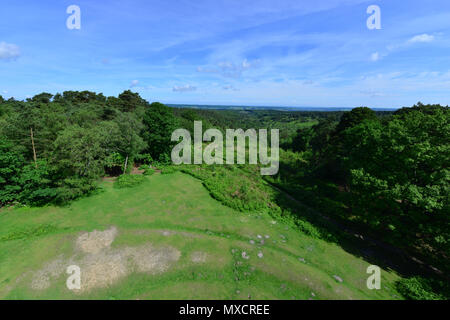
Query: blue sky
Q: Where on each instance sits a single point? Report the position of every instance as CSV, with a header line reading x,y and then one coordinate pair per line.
x,y
275,53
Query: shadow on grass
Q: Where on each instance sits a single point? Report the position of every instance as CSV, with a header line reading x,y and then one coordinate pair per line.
x,y
352,237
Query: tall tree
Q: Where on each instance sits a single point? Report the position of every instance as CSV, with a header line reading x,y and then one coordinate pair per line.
x,y
159,122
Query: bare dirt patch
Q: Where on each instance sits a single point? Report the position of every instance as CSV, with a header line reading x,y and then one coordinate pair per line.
x,y
136,170
101,265
150,259
42,278
93,242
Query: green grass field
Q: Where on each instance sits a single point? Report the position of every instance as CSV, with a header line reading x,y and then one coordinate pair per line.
x,y
169,239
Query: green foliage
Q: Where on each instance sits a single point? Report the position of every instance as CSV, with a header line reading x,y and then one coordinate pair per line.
x,y
235,188
128,181
145,158
399,173
417,288
11,164
168,169
243,188
355,117
74,187
387,175
37,185
315,138
148,171
159,122
77,137
79,151
309,229
114,160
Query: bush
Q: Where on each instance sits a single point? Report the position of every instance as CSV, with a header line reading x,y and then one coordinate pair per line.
x,y
417,288
128,181
309,229
148,171
240,189
73,188
37,185
168,170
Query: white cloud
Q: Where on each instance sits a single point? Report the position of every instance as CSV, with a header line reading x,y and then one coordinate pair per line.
x,y
372,93
375,56
207,70
134,83
230,69
245,64
422,38
9,51
185,88
229,87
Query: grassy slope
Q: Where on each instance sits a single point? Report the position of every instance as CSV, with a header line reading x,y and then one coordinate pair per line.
x,y
31,237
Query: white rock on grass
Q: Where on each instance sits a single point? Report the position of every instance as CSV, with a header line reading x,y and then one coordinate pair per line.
x,y
260,255
245,256
337,278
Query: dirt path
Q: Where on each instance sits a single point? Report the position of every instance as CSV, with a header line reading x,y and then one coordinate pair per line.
x,y
136,170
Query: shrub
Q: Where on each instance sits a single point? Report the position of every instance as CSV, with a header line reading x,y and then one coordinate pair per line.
x,y
417,288
149,172
128,181
168,170
73,188
240,189
37,185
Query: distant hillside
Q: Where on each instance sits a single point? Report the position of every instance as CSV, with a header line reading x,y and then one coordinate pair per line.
x,y
281,108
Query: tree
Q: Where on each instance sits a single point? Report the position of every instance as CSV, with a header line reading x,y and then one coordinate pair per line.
x,y
399,172
129,142
42,98
79,151
159,123
130,101
355,117
11,164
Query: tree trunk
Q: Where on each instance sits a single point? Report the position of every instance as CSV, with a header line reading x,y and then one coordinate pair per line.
x,y
34,150
126,164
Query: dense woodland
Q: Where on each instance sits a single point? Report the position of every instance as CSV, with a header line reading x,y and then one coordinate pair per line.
x,y
383,172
